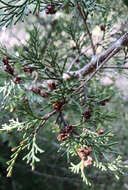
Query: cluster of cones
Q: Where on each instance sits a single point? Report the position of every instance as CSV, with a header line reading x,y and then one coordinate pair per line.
x,y
64,134
8,67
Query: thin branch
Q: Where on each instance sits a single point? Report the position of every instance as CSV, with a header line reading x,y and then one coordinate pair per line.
x,y
76,58
47,116
44,119
70,180
53,177
100,58
115,67
62,119
73,62
98,68
87,28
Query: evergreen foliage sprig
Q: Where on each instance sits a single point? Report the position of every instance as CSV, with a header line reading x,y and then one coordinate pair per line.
x,y
38,91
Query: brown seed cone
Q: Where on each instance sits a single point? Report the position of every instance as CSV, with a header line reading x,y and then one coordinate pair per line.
x,y
51,9
17,80
100,132
89,150
10,70
5,61
37,90
87,114
69,129
27,70
103,27
58,106
44,94
88,162
104,102
63,136
52,86
83,153
25,99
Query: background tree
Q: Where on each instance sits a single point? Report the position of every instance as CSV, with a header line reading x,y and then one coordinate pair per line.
x,y
53,90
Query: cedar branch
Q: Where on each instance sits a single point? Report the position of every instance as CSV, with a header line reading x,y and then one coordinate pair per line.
x,y
100,58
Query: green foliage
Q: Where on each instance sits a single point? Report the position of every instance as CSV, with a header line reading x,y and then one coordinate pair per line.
x,y
125,2
31,157
41,97
16,10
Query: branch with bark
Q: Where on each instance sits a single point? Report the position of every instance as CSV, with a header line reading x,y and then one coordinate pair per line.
x,y
100,59
87,28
